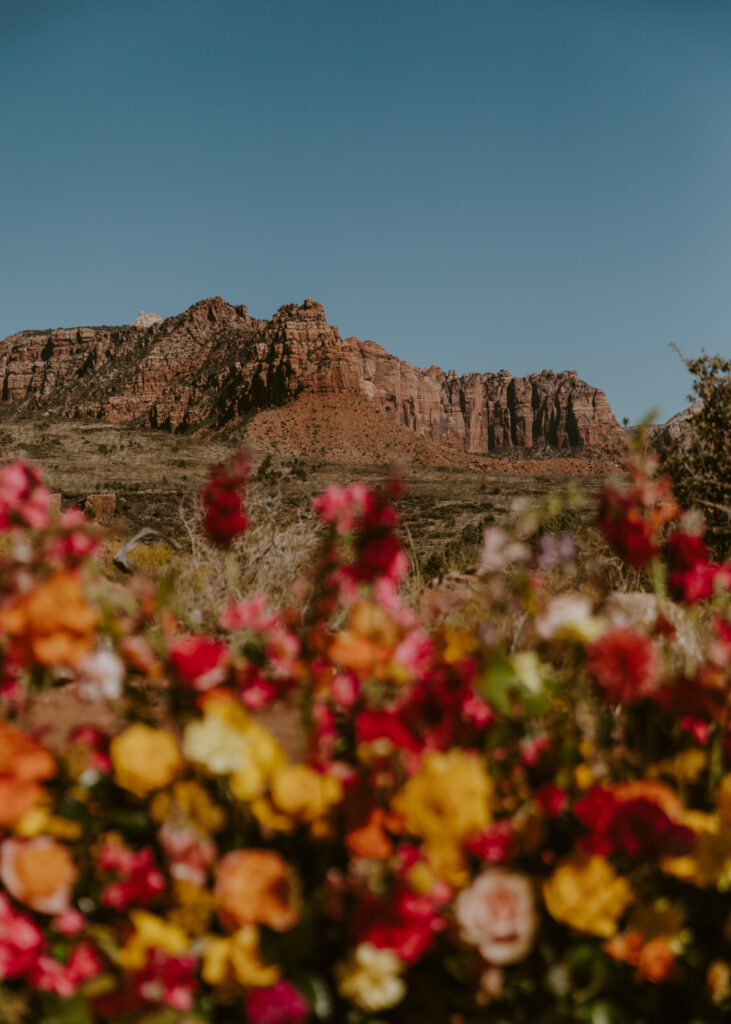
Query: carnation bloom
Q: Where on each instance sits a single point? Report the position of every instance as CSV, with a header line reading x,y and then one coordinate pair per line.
x,y
585,893
497,914
39,873
145,759
371,978
53,624
624,663
24,764
256,887
280,1003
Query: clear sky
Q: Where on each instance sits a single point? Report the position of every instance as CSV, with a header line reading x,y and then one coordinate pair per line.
x,y
481,184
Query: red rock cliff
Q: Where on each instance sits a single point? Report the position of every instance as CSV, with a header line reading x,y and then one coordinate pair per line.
x,y
214,363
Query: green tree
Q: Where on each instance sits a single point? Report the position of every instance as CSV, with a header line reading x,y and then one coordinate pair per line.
x,y
700,464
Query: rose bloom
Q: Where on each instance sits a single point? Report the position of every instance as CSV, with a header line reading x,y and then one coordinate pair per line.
x,y
657,960
497,914
145,759
38,873
256,887
624,663
24,764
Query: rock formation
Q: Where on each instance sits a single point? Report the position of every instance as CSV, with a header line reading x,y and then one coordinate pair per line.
x,y
146,319
214,364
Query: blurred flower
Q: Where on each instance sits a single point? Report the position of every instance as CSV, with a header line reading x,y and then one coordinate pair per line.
x,y
53,624
499,551
99,676
256,887
151,933
371,978
280,1003
200,661
497,914
585,893
238,958
223,507
38,872
298,795
24,765
553,551
145,759
625,664
568,617
227,741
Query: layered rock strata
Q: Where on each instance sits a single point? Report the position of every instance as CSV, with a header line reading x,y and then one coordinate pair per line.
x,y
214,364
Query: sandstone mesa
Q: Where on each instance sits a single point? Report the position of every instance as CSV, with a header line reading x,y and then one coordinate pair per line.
x,y
214,364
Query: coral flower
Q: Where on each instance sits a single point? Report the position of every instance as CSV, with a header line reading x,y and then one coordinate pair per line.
x,y
256,887
39,873
24,764
624,662
52,625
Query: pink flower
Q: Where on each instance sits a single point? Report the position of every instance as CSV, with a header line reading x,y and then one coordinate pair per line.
x,y
189,853
497,914
252,613
100,676
281,1003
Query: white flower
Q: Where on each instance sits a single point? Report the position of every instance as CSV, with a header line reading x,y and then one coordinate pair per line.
x,y
497,914
499,550
100,676
569,617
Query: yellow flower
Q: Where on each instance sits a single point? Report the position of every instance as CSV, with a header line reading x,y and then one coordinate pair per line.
x,y
192,801
145,759
448,799
299,795
238,959
370,978
710,863
227,742
151,932
586,893
39,821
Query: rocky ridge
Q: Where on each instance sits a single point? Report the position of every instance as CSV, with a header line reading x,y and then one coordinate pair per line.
x,y
214,364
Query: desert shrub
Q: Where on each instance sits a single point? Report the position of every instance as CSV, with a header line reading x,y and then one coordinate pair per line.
x,y
700,467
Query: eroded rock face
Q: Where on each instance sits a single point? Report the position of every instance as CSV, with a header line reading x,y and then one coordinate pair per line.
x,y
214,363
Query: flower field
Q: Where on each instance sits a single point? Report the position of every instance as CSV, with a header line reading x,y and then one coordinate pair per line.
x,y
513,808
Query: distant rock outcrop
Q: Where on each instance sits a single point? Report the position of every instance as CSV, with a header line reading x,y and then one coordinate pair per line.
x,y
147,320
214,363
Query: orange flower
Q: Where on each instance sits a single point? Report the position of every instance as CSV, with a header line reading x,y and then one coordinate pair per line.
x,y
657,960
370,840
39,873
52,625
256,887
24,763
625,947
366,647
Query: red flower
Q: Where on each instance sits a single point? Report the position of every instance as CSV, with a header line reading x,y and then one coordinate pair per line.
x,y
551,799
281,1003
224,517
200,661
624,664
639,828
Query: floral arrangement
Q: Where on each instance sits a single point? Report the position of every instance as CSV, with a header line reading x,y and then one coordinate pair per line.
x,y
467,823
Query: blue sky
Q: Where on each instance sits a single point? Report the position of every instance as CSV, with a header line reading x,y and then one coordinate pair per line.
x,y
474,183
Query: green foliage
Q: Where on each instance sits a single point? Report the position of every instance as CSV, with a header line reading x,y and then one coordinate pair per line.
x,y
701,472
